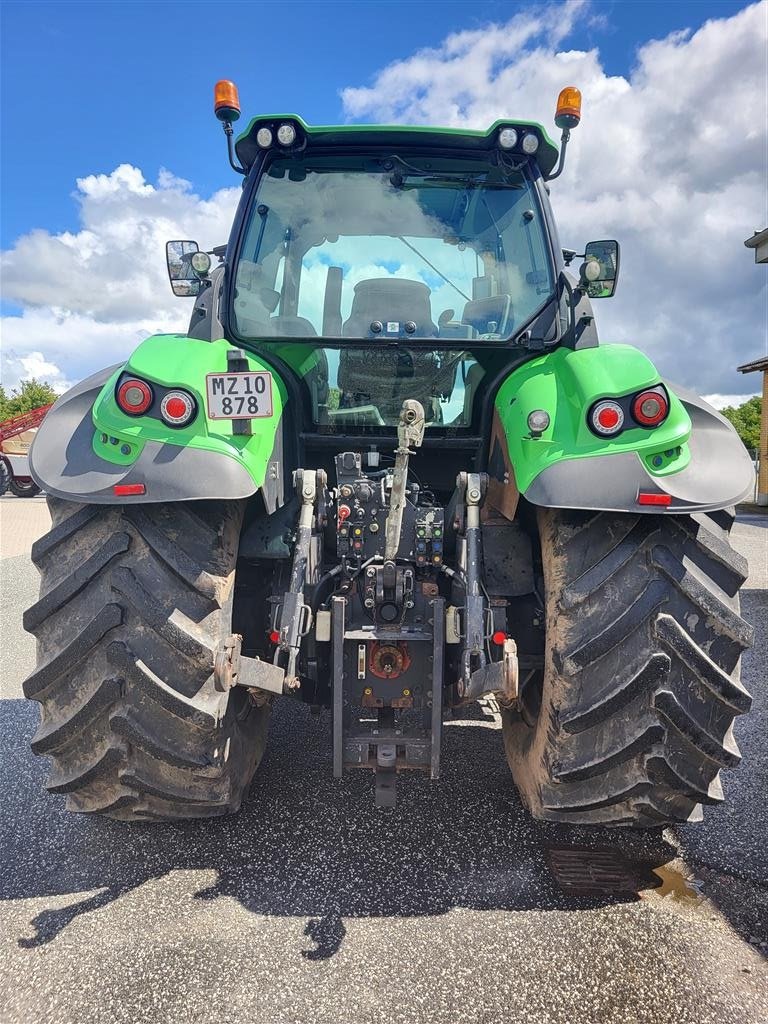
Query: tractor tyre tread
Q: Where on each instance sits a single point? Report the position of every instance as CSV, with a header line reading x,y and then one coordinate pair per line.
x,y
641,680
133,604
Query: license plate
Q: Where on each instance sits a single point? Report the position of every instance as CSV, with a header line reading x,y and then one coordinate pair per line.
x,y
239,396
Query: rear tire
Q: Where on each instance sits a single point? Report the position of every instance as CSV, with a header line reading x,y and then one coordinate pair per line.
x,y
634,715
25,489
134,602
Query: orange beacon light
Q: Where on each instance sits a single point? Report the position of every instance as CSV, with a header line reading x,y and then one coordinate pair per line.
x,y
226,102
568,111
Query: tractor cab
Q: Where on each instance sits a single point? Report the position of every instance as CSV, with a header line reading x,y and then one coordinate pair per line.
x,y
403,265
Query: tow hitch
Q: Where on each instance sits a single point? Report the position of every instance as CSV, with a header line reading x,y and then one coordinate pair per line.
x,y
380,634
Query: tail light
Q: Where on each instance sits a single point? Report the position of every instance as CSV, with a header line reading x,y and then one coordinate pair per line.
x,y
177,408
134,397
606,418
650,408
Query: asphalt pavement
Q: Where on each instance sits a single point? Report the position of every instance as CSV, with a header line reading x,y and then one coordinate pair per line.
x,y
312,907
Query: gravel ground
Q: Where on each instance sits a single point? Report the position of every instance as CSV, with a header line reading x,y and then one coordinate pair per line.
x,y
312,907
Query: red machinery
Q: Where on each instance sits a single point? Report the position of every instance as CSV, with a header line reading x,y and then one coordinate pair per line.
x,y
14,466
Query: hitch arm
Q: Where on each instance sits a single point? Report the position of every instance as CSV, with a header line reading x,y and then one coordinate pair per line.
x,y
295,613
472,487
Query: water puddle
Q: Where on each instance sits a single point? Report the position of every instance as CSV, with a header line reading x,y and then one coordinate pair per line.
x,y
675,886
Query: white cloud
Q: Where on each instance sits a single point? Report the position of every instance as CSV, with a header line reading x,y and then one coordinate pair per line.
x,y
35,366
671,161
721,401
114,268
88,298
63,347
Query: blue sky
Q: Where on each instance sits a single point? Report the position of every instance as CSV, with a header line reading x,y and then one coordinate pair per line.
x,y
109,147
88,86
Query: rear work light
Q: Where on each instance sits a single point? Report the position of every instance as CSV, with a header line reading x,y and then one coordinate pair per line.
x,y
650,408
508,138
286,134
606,418
177,408
264,138
134,397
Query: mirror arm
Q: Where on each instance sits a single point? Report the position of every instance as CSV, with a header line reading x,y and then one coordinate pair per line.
x,y
226,125
561,162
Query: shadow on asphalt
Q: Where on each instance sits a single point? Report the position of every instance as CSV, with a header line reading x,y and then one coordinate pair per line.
x,y
308,846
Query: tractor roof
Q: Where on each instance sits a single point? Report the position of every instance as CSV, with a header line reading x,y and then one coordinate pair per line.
x,y
472,140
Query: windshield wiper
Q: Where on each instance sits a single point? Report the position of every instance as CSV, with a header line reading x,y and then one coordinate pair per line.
x,y
432,265
263,211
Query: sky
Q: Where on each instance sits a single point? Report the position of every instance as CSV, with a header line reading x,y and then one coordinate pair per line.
x,y
109,147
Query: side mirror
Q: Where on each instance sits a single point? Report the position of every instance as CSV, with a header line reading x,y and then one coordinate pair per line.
x,y
600,270
185,272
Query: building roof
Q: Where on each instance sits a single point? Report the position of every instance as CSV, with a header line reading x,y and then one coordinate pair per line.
x,y
759,238
756,364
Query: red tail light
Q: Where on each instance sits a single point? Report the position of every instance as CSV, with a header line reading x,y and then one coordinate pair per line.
x,y
134,397
650,408
606,418
177,408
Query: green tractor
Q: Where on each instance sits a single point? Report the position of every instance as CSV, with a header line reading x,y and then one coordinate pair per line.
x,y
387,471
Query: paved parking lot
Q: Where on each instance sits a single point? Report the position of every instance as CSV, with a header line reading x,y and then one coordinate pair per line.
x,y
311,907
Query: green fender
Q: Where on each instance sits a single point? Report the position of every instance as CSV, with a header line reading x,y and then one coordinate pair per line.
x,y
87,445
694,460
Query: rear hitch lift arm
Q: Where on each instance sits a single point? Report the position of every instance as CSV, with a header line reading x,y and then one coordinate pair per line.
x,y
479,675
472,487
295,613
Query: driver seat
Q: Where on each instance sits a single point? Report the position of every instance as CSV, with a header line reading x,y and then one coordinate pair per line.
x,y
390,299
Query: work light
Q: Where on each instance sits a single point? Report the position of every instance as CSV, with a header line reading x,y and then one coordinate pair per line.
x,y
286,135
507,138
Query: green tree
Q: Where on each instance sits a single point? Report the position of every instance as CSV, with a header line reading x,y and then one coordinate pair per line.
x,y
30,394
746,420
